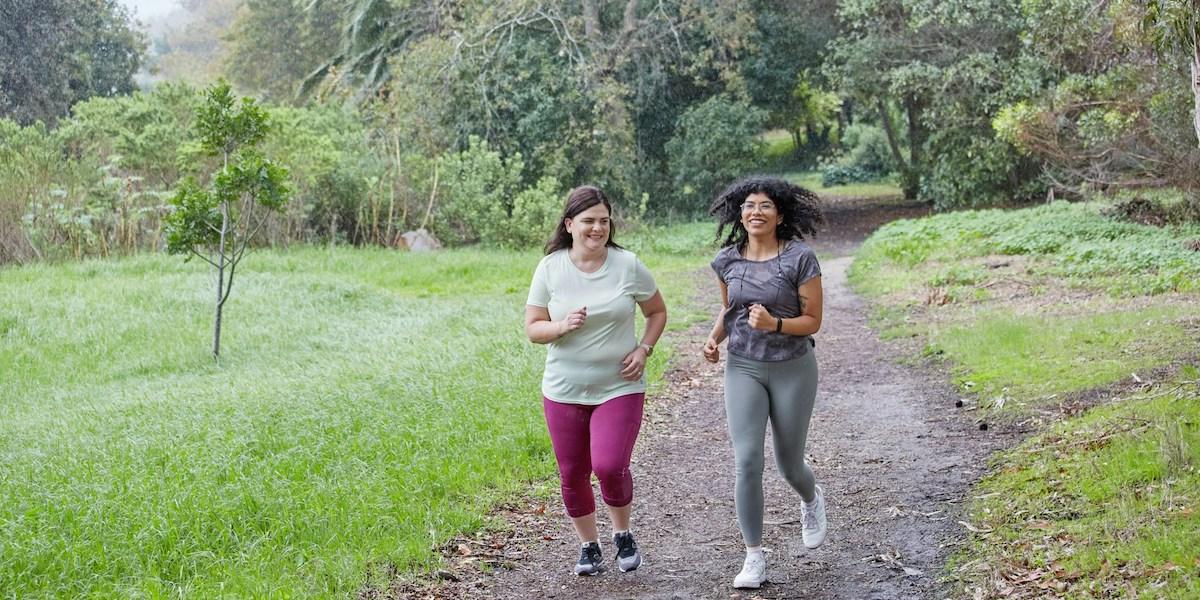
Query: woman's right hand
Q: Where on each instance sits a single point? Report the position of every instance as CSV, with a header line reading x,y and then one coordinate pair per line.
x,y
711,351
575,319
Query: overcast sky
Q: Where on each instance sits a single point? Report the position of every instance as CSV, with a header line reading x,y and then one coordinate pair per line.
x,y
150,8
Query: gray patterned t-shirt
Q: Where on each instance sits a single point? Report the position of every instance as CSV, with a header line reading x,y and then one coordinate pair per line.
x,y
774,283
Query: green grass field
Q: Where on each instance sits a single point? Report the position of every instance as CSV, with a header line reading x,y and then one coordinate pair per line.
x,y
778,158
368,406
1035,302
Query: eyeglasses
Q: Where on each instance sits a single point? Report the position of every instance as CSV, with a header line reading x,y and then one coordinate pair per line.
x,y
761,207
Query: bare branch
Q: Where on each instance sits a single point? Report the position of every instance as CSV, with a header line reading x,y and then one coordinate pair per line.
x,y
202,257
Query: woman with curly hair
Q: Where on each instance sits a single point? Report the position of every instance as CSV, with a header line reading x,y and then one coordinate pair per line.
x,y
771,296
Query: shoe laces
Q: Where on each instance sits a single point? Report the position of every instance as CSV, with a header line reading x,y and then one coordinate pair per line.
x,y
754,563
590,554
626,547
808,512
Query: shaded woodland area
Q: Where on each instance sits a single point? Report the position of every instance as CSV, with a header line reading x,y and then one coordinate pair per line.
x,y
471,118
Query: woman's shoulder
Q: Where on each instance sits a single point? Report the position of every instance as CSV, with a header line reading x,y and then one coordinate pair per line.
x,y
799,248
727,253
551,259
622,256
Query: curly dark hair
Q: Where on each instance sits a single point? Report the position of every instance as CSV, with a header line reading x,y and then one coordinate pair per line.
x,y
799,209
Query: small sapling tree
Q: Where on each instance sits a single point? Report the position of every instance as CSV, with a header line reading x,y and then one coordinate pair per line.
x,y
216,222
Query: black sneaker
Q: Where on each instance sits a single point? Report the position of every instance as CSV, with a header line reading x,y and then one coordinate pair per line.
x,y
628,557
589,560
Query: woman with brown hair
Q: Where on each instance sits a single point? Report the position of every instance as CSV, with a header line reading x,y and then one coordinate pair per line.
x,y
581,304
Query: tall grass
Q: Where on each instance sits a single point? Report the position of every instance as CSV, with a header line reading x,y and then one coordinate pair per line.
x,y
369,405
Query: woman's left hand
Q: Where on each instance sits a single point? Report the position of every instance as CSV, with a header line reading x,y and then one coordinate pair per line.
x,y
761,319
633,364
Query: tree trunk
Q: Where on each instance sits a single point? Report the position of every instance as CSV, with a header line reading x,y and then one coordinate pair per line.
x,y
889,129
591,23
216,349
1196,87
916,140
909,176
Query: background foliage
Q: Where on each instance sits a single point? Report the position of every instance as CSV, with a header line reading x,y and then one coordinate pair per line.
x,y
467,117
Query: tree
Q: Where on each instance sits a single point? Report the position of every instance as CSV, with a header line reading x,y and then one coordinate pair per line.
x,y
715,144
1174,25
217,223
943,67
192,46
275,44
54,53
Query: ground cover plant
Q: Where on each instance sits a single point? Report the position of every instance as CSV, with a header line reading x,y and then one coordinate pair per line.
x,y
1100,506
372,404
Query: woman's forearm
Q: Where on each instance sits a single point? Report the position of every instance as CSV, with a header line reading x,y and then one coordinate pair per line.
x,y
718,329
544,332
802,325
656,323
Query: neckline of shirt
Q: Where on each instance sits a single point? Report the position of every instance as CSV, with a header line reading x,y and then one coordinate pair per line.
x,y
608,253
784,248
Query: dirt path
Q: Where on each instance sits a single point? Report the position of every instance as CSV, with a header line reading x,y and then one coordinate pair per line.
x,y
894,456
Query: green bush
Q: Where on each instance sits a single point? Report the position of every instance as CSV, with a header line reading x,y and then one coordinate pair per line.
x,y
834,175
475,194
331,163
976,171
868,149
482,200
535,214
715,143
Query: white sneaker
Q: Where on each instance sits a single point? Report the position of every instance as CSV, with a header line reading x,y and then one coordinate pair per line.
x,y
813,515
754,572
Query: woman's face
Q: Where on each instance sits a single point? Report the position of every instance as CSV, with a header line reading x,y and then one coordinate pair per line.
x,y
760,216
590,228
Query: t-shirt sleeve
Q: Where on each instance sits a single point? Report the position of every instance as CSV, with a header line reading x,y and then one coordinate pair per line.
x,y
539,289
719,263
807,267
643,282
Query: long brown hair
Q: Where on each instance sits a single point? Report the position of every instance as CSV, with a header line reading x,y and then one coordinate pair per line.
x,y
579,200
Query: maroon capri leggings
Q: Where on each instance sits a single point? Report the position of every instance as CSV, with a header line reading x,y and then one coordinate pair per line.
x,y
597,439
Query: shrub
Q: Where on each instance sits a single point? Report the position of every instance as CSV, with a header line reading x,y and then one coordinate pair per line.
x,y
476,194
834,175
715,143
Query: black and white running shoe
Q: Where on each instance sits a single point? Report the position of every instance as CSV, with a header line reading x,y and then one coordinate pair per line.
x,y
589,560
628,557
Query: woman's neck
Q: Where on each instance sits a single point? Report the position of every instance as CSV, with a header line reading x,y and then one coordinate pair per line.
x,y
762,247
586,259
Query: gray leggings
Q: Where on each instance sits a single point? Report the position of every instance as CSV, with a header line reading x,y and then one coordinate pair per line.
x,y
784,392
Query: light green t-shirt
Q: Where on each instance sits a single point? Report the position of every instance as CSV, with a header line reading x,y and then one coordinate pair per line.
x,y
584,366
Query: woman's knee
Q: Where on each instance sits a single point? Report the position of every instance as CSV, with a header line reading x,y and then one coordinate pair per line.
x,y
749,466
611,471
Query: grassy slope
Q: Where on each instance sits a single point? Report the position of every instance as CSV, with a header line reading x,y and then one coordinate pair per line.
x,y
368,406
1027,306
